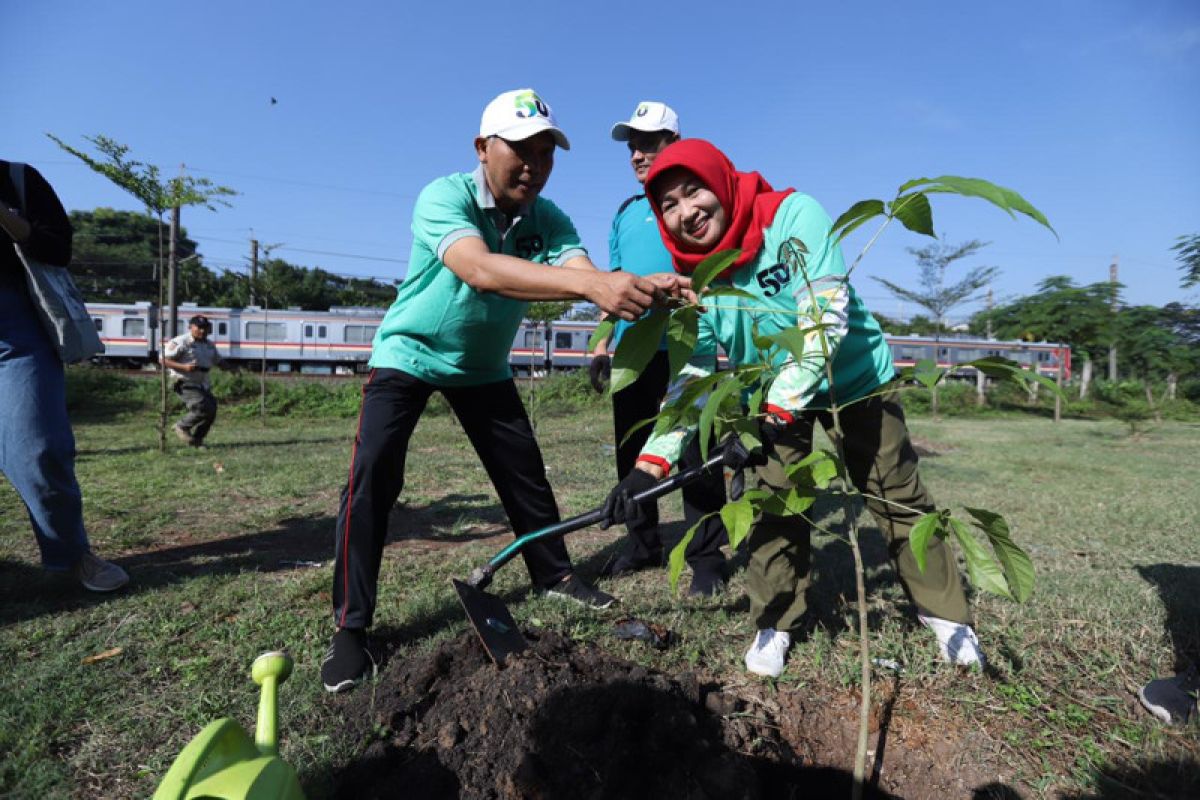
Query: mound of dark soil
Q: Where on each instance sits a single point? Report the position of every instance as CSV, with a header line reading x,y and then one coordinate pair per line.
x,y
567,721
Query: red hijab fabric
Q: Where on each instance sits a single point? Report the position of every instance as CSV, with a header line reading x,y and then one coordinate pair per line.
x,y
748,200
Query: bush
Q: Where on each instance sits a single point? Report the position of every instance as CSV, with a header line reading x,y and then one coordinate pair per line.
x,y
563,393
97,391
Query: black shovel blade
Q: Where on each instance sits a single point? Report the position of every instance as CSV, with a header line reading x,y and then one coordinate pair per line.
x,y
491,620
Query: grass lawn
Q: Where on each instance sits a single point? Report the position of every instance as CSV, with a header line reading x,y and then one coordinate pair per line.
x,y
229,550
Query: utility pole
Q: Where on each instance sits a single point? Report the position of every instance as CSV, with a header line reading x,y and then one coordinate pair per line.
x,y
173,269
989,316
253,268
1112,348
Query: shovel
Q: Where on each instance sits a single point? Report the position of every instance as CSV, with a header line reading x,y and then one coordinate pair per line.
x,y
487,613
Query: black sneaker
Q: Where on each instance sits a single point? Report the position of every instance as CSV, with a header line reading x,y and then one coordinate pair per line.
x,y
575,588
347,661
1171,699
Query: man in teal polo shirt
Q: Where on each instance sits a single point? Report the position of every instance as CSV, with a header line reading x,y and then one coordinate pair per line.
x,y
635,246
484,243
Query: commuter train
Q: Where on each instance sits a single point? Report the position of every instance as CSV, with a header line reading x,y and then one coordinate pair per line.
x,y
338,341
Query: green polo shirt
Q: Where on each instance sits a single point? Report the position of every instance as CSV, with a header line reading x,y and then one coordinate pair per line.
x,y
439,328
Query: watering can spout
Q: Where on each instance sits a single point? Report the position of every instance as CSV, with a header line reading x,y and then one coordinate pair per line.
x,y
268,671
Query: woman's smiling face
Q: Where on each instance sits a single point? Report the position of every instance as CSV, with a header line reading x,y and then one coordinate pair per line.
x,y
691,213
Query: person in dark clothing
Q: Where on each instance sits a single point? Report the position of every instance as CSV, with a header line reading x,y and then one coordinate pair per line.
x,y
37,446
484,243
635,246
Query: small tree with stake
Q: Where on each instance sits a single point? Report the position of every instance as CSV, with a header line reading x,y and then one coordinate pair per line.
x,y
541,314
157,195
935,296
713,404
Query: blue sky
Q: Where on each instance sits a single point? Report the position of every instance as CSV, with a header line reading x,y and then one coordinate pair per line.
x,y
1089,108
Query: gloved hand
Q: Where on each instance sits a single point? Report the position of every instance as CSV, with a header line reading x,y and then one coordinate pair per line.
x,y
620,506
738,458
600,371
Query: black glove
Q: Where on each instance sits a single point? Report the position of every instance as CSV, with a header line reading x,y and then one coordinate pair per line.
x,y
738,458
600,372
620,506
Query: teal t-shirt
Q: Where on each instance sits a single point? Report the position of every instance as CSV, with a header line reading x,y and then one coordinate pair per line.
x,y
635,245
863,360
439,328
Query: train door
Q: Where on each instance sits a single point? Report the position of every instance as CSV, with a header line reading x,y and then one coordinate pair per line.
x,y
314,339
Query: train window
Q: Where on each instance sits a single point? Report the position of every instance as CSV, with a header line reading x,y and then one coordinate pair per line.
x,y
308,331
322,332
563,340
532,339
131,328
266,331
222,328
99,323
359,334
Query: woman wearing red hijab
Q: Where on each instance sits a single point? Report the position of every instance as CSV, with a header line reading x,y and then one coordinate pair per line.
x,y
788,262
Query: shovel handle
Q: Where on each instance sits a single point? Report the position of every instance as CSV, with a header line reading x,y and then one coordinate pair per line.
x,y
482,576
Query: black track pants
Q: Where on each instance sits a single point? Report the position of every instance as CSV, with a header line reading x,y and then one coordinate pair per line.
x,y
496,423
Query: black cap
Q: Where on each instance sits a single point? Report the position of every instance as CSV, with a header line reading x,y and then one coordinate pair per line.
x,y
200,321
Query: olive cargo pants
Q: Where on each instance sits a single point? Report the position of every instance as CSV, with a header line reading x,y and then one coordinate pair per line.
x,y
882,463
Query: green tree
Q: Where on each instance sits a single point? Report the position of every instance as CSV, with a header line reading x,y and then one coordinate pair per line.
x,y
1188,249
157,195
1059,311
541,314
937,296
115,256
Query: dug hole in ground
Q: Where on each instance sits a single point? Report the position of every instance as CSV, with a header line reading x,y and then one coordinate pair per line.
x,y
568,720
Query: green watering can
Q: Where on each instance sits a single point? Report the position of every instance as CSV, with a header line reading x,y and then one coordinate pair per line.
x,y
224,763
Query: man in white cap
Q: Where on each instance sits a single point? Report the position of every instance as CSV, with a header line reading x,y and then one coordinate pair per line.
x,y
484,243
635,246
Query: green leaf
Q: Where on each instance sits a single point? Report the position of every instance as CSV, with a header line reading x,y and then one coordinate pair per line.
x,y
738,517
816,469
682,332
918,538
926,372
601,334
726,291
999,196
1004,369
711,267
790,502
857,214
982,569
677,558
730,386
638,345
1018,567
914,212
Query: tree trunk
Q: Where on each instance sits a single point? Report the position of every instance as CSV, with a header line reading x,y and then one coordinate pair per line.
x,y
1172,385
1085,379
980,388
162,332
1150,399
1058,379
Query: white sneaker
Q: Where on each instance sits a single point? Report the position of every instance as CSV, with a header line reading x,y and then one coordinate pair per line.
x,y
767,654
956,641
98,575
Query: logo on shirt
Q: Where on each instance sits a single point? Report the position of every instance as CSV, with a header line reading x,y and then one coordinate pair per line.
x,y
772,279
527,246
530,105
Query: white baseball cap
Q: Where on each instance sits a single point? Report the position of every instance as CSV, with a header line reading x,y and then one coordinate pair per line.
x,y
519,114
648,116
